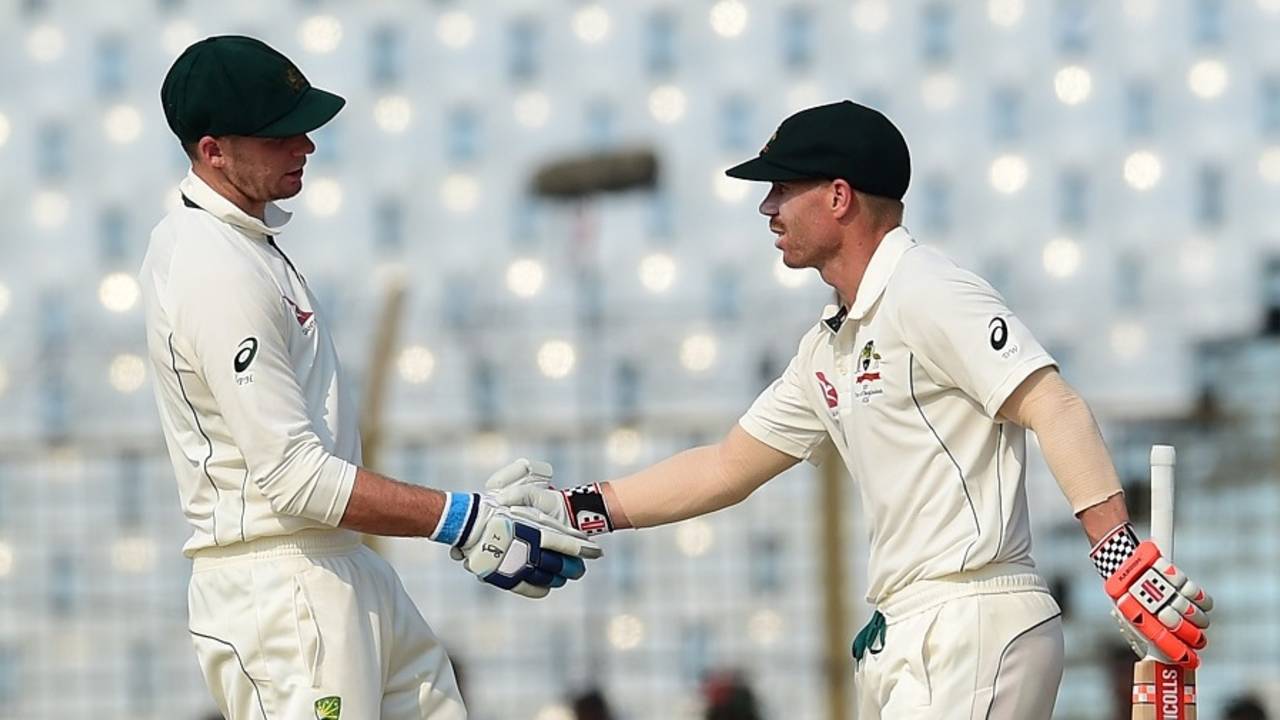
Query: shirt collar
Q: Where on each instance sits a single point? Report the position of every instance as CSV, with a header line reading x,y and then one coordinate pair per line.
x,y
883,261
208,199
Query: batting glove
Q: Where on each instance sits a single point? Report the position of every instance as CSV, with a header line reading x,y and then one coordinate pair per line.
x,y
517,549
581,508
1162,612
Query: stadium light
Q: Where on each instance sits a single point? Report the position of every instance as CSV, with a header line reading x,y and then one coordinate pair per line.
x,y
45,43
694,537
870,16
122,124
455,29
556,359
525,277
50,208
624,446
1072,84
729,18
698,352
1009,173
5,129
657,272
127,373
324,197
416,364
1061,257
460,193
118,292
532,109
667,104
1142,170
939,90
625,632
1128,339
591,24
320,34
1208,78
393,113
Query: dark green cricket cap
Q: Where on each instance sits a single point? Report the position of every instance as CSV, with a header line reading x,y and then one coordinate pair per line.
x,y
237,85
841,140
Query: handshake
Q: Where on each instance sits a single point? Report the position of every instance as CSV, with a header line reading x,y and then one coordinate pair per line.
x,y
509,539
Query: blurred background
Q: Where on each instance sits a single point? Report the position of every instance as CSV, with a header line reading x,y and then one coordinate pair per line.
x,y
1111,167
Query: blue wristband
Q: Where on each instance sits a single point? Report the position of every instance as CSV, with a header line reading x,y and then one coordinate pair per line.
x,y
457,518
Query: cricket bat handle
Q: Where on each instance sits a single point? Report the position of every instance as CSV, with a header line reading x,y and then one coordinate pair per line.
x,y
1160,691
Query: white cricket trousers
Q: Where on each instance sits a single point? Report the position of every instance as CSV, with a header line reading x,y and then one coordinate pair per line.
x,y
282,623
981,645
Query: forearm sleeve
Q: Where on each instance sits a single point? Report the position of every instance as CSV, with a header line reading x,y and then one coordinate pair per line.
x,y
698,481
1069,438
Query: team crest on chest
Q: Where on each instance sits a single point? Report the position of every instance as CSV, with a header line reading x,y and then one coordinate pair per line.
x,y
866,379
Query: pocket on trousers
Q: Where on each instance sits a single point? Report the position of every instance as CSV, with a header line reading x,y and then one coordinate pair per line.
x,y
307,627
918,658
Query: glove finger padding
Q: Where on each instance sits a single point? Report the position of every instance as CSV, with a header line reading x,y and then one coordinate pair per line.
x,y
1184,609
1187,588
520,472
1156,634
539,497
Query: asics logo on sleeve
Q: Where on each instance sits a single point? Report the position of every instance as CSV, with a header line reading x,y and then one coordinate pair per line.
x,y
999,333
248,351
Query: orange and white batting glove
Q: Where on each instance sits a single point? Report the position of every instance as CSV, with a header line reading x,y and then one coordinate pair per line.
x,y
1165,611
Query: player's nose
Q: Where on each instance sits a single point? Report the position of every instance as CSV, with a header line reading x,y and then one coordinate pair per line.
x,y
769,205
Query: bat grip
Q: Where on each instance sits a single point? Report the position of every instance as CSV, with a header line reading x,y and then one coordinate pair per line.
x,y
1162,460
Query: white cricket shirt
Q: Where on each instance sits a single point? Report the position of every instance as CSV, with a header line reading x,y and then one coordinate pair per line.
x,y
906,384
261,432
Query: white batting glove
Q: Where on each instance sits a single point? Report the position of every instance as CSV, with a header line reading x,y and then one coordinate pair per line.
x,y
582,508
517,549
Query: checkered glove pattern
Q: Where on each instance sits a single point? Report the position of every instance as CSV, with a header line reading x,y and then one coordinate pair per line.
x,y
1163,612
1111,551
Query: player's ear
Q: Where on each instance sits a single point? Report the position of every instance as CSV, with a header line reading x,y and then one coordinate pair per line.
x,y
210,151
844,201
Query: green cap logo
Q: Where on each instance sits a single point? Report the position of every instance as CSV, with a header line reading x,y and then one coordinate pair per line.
x,y
328,708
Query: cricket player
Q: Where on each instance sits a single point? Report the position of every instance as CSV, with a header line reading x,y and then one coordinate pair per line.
x,y
291,616
922,382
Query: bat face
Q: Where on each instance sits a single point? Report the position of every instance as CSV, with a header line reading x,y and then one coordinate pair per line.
x,y
1163,692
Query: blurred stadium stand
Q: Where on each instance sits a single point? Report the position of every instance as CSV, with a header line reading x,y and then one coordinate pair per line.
x,y
1111,167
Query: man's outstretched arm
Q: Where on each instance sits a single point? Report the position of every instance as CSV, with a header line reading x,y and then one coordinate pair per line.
x,y
688,484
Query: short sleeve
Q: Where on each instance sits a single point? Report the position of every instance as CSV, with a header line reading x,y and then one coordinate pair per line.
x,y
964,334
782,418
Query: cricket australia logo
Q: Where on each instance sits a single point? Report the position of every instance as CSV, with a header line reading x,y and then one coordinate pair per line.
x,y
306,320
772,138
329,708
294,79
866,379
829,393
